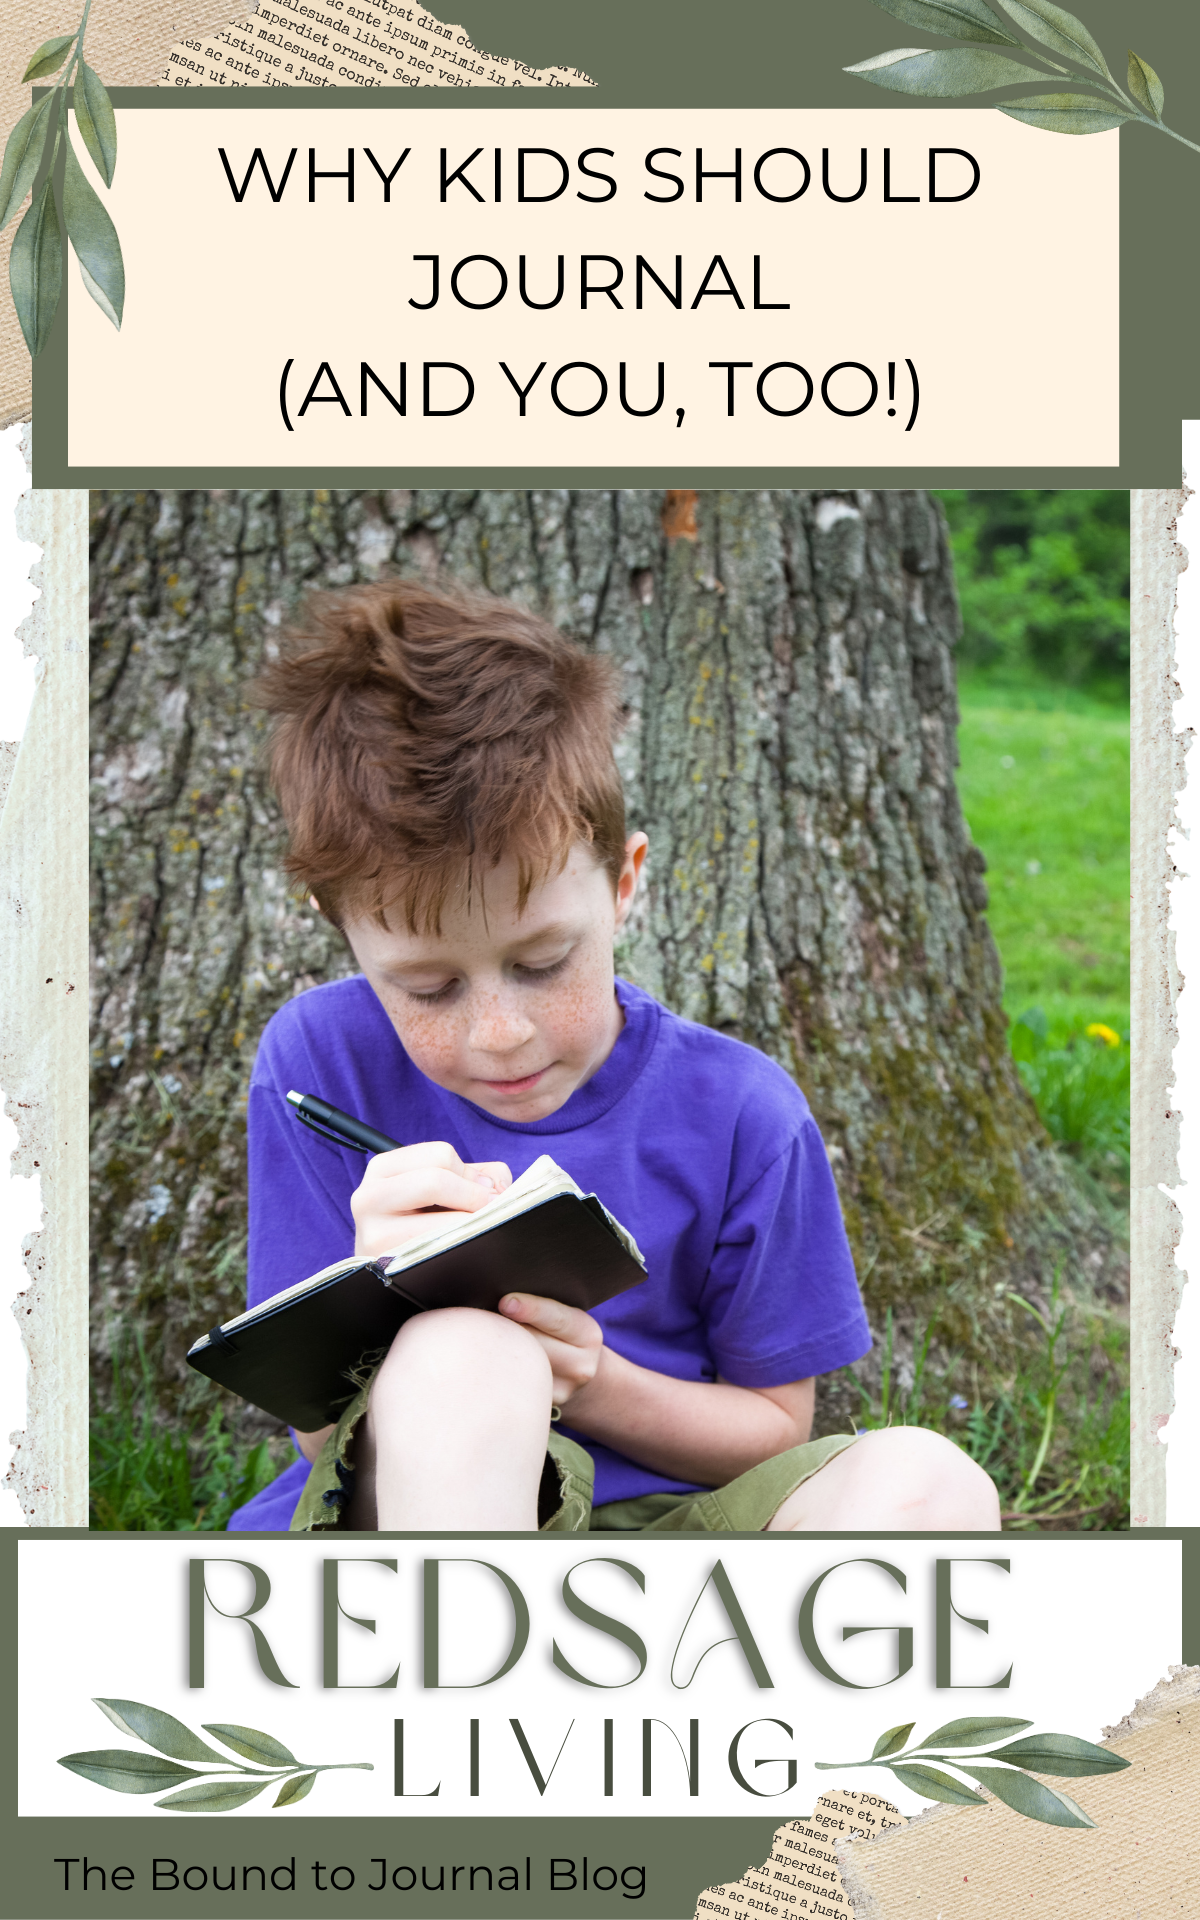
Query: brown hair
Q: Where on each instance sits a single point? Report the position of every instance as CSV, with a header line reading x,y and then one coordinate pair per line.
x,y
421,737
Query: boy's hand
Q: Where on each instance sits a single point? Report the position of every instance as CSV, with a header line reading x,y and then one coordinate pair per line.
x,y
408,1191
572,1340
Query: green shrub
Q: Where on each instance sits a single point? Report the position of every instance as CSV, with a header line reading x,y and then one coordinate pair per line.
x,y
1043,578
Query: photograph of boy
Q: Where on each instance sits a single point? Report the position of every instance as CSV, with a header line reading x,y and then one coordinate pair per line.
x,y
446,769
466,837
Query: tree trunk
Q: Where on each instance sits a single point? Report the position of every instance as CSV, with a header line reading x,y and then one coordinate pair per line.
x,y
788,671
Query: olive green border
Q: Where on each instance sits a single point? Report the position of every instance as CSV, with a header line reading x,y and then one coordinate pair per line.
x,y
682,1855
785,53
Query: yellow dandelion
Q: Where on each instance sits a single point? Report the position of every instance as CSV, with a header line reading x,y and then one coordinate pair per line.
x,y
1098,1031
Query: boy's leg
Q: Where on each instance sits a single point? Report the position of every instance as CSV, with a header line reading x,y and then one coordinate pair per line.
x,y
902,1480
455,1430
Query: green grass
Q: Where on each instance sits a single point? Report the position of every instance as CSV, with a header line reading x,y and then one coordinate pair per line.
x,y
1055,1438
1046,795
1044,782
147,1477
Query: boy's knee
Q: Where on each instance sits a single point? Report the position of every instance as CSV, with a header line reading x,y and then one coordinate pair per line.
x,y
937,1484
462,1342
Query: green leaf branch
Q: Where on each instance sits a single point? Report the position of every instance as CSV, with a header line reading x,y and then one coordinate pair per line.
x,y
127,1770
41,159
1061,1755
1055,45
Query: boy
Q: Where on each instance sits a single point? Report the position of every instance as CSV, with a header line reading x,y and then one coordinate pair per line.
x,y
445,766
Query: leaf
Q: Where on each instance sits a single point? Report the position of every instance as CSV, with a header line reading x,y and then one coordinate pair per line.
x,y
96,121
892,1740
968,19
126,1772
1144,85
944,74
1061,1754
23,156
94,238
294,1789
1066,113
48,58
1030,1797
214,1796
937,1786
973,1732
35,269
159,1730
261,1747
98,294
1058,30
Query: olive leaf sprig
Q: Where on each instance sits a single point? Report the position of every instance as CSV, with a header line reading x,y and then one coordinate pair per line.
x,y
948,72
31,160
125,1770
1059,1754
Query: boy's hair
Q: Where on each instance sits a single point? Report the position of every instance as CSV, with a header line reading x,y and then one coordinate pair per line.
x,y
420,737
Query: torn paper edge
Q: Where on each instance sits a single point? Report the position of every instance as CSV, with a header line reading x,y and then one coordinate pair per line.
x,y
1157,773
43,1020
459,61
1179,1688
1180,1431
754,1891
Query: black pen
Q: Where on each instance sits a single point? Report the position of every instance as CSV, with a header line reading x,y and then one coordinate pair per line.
x,y
342,1128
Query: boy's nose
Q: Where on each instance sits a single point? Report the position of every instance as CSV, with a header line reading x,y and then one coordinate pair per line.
x,y
497,1028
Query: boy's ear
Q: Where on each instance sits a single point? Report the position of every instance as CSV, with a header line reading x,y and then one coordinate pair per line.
x,y
636,848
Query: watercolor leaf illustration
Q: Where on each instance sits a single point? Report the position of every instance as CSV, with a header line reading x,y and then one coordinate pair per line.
x,y
1062,1755
41,159
1056,45
129,1770
159,1730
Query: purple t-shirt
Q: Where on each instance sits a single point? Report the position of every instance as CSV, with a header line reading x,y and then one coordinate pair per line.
x,y
701,1146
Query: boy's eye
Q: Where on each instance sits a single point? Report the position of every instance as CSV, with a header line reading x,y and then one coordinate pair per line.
x,y
431,999
543,973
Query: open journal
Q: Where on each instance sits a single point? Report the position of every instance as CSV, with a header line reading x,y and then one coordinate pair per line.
x,y
303,1353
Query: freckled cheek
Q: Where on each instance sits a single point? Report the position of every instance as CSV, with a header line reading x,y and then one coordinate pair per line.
x,y
580,1012
431,1041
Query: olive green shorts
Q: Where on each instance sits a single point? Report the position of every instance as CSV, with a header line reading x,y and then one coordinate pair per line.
x,y
746,1505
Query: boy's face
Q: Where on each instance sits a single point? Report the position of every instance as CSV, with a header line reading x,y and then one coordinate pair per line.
x,y
511,1011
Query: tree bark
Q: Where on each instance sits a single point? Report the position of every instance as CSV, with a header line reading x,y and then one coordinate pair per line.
x,y
787,663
